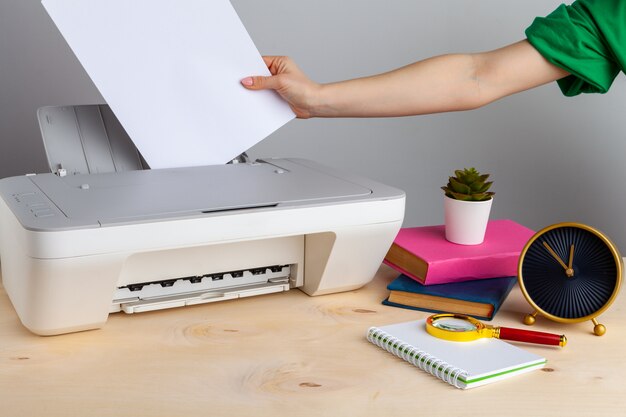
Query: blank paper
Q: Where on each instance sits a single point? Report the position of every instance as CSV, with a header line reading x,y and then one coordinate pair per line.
x,y
171,71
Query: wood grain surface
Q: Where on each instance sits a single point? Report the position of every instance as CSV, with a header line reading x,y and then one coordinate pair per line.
x,y
293,355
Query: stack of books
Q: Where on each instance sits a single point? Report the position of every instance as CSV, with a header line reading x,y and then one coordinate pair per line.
x,y
440,276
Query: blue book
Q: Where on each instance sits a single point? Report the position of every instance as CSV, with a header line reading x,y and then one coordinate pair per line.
x,y
480,298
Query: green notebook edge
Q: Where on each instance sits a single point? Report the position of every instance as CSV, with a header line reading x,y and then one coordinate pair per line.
x,y
467,382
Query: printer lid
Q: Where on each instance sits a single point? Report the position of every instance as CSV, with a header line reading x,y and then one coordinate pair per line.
x,y
94,200
101,180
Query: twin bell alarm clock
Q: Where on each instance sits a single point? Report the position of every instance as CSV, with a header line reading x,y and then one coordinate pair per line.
x,y
570,273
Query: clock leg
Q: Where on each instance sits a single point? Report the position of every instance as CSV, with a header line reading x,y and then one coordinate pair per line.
x,y
598,329
529,319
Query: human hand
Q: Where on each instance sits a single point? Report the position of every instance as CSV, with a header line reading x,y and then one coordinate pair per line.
x,y
290,82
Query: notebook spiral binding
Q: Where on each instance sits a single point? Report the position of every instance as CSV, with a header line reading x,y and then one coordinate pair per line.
x,y
416,357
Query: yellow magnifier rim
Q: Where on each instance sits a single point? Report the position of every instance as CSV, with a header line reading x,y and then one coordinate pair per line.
x,y
473,331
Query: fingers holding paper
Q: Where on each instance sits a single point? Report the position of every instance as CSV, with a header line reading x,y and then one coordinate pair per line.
x,y
288,81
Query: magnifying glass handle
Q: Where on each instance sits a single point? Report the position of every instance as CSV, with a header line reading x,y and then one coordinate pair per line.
x,y
530,336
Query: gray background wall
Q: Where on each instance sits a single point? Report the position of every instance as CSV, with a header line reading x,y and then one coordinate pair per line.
x,y
552,158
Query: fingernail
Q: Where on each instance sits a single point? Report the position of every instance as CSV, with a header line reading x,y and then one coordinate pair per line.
x,y
247,81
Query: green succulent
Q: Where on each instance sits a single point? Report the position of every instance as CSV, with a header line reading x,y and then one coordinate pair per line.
x,y
468,185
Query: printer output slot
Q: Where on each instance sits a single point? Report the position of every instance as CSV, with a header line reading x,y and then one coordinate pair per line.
x,y
207,286
202,297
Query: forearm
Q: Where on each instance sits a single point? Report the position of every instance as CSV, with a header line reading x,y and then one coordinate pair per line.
x,y
439,84
444,83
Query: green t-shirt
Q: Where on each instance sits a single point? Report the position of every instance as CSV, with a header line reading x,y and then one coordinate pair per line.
x,y
587,39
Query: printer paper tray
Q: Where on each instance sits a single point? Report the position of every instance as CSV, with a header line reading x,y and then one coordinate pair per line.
x,y
201,297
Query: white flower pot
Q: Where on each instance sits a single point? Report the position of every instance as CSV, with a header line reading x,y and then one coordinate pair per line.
x,y
466,221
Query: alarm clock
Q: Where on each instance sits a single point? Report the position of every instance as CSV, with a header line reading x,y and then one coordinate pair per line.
x,y
570,273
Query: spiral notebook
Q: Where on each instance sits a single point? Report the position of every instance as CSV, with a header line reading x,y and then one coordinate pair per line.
x,y
461,364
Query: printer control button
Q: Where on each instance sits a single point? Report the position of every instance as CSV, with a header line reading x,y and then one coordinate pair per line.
x,y
84,186
46,214
27,198
43,212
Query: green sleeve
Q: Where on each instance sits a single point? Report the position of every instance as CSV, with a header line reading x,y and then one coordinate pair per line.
x,y
587,39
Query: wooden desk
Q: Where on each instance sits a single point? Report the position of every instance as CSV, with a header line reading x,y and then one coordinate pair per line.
x,y
293,355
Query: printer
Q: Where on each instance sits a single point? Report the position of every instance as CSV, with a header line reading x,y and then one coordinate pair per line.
x,y
100,234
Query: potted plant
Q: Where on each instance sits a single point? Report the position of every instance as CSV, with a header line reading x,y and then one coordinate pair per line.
x,y
467,204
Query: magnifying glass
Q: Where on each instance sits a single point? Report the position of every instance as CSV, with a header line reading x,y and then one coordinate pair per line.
x,y
461,328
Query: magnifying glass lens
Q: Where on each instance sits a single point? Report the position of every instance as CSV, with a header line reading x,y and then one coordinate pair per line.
x,y
453,324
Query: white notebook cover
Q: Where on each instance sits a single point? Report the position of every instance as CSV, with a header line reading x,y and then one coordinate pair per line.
x,y
463,364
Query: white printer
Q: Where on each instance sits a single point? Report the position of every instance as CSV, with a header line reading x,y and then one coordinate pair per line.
x,y
101,235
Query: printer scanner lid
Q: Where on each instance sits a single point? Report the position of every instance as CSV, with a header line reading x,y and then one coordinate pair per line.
x,y
93,200
102,180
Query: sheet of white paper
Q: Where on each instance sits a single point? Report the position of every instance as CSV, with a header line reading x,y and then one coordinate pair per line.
x,y
171,71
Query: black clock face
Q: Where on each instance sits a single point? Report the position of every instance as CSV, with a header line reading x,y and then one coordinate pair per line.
x,y
569,272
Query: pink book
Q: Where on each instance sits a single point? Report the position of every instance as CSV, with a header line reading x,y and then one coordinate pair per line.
x,y
424,254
